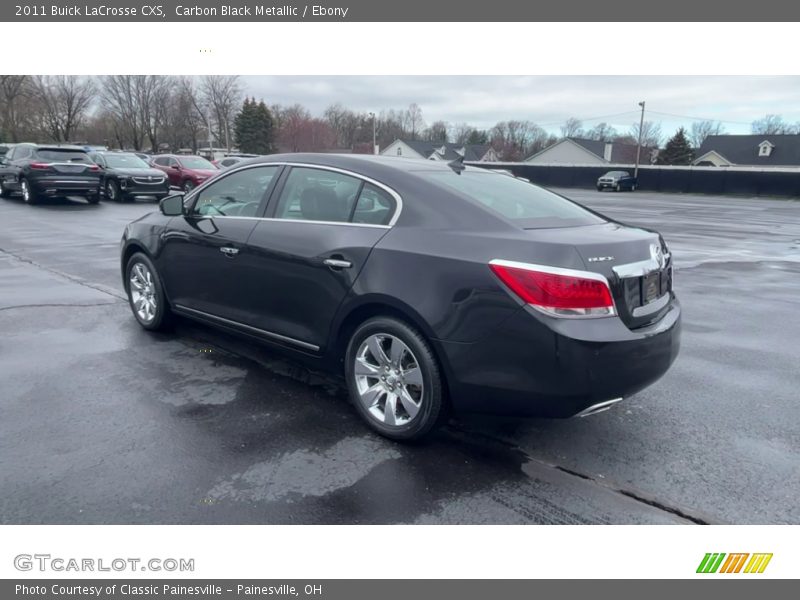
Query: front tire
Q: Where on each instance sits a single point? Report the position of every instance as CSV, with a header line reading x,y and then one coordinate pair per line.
x,y
617,188
146,293
4,191
394,379
113,192
28,195
188,186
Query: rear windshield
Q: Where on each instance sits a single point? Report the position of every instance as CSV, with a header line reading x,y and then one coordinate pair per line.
x,y
528,205
196,162
57,155
125,161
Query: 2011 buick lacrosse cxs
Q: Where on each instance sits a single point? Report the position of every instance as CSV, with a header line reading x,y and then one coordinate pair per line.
x,y
430,285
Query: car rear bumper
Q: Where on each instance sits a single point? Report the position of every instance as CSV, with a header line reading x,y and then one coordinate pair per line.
x,y
540,366
64,186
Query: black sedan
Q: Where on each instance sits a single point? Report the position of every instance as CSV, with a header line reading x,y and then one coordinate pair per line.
x,y
617,181
38,171
430,286
126,177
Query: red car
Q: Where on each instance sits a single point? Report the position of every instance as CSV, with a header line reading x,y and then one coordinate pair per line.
x,y
184,172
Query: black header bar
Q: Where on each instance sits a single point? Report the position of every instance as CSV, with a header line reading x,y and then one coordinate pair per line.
x,y
406,10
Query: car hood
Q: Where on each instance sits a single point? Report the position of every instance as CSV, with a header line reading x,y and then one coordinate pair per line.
x,y
137,172
203,172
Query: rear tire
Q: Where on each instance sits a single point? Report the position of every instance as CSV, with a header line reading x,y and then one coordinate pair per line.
x,y
146,293
617,188
394,379
28,194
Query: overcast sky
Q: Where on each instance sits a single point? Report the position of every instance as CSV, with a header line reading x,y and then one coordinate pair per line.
x,y
547,100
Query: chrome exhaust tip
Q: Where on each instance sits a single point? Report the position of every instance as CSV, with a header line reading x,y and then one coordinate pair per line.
x,y
598,408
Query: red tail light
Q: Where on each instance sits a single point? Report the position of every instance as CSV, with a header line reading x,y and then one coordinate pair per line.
x,y
557,292
94,167
40,166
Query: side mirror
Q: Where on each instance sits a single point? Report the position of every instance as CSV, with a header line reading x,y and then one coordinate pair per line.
x,y
172,206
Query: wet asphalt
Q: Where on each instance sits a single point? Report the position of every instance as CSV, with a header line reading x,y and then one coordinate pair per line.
x,y
102,422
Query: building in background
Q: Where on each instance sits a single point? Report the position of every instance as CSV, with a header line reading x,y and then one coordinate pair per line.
x,y
579,151
749,151
440,151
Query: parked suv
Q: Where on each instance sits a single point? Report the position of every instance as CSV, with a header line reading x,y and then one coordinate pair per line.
x,y
126,177
38,171
185,172
617,181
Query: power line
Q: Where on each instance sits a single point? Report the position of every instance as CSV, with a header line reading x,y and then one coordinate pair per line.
x,y
630,112
666,114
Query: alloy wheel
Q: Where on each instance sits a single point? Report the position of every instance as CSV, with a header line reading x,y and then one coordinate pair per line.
x,y
143,292
26,191
388,379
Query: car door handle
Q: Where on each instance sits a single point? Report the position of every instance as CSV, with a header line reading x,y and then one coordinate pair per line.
x,y
335,263
228,251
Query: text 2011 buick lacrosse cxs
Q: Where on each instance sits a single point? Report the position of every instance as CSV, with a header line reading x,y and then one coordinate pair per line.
x,y
429,285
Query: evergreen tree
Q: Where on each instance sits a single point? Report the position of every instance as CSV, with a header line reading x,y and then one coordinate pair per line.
x,y
678,151
254,128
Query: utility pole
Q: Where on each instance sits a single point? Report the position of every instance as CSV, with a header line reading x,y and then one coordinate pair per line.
x,y
374,145
639,144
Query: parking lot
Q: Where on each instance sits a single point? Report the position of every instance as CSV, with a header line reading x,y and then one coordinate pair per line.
x,y
103,422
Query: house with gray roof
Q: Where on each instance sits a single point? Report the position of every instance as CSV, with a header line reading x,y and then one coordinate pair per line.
x,y
440,151
749,151
580,151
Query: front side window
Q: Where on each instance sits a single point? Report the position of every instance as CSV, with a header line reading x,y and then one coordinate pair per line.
x,y
237,195
161,160
318,195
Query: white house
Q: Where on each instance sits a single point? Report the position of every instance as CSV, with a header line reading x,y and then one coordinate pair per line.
x,y
440,151
749,151
579,151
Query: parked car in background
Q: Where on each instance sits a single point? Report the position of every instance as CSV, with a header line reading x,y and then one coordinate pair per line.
x,y
145,157
523,302
184,172
38,171
4,148
617,181
126,177
229,161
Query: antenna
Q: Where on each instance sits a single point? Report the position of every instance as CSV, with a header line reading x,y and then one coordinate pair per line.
x,y
457,165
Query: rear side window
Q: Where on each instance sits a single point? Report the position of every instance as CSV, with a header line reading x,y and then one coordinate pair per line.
x,y
58,155
318,195
375,206
527,205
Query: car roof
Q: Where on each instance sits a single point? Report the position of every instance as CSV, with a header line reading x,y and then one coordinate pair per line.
x,y
70,147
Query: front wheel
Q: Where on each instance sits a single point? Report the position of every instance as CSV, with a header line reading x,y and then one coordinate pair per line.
x,y
145,293
188,186
112,191
617,188
28,195
394,380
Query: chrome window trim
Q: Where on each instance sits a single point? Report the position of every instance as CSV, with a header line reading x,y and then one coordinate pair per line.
x,y
234,169
262,332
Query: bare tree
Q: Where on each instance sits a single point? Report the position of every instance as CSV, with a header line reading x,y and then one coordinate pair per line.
x,y
461,132
13,89
702,129
772,125
516,140
602,132
651,134
437,132
414,121
572,127
65,100
222,97
121,101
